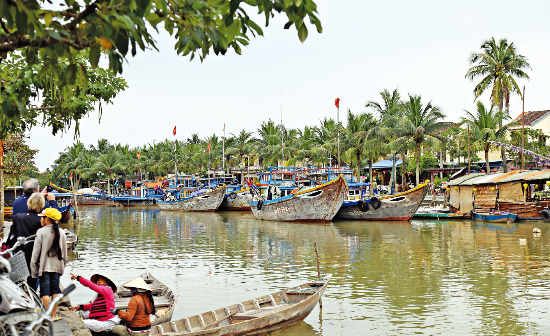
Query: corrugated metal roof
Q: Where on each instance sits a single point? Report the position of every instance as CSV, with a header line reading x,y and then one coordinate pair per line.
x,y
460,180
542,175
515,177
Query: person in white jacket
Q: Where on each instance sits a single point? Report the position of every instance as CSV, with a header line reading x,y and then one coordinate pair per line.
x,y
49,256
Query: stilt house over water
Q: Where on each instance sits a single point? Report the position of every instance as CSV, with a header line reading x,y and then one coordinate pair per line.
x,y
525,192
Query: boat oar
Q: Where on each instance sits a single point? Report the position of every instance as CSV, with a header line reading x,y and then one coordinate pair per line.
x,y
210,325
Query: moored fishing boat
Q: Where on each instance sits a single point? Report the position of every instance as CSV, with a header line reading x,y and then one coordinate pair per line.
x,y
236,199
130,201
259,316
319,203
195,201
494,216
401,206
164,298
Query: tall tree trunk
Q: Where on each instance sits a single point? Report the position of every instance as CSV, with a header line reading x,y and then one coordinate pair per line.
x,y
487,168
358,157
403,173
417,163
502,149
370,171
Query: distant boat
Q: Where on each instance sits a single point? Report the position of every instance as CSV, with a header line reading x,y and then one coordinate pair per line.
x,y
260,316
195,200
236,199
310,204
398,207
130,201
494,216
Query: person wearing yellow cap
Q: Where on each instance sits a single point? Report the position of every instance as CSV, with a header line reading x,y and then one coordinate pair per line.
x,y
136,317
49,255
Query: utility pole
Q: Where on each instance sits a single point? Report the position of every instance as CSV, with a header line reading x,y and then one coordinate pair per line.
x,y
523,128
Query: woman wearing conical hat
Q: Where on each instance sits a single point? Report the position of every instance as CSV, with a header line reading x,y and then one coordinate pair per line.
x,y
137,315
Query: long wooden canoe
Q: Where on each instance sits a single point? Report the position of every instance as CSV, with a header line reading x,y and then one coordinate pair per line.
x,y
162,295
209,201
259,316
316,204
400,206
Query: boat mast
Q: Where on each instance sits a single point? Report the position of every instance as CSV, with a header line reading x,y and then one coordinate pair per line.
x,y
223,149
282,134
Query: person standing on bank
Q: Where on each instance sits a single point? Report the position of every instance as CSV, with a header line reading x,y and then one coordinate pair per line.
x,y
49,256
137,315
97,315
25,225
20,203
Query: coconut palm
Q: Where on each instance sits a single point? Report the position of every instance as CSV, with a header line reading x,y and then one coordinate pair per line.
x,y
110,163
420,124
391,104
498,65
355,135
485,128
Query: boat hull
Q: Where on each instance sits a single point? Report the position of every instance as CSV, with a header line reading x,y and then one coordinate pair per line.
x,y
289,309
236,201
314,205
66,213
134,201
209,201
396,207
495,218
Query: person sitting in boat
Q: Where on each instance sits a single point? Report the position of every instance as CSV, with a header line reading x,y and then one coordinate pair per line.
x,y
97,315
136,317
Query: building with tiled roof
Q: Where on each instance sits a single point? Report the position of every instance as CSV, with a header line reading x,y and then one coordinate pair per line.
x,y
535,120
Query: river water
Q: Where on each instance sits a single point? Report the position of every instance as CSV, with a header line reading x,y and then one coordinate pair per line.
x,y
423,277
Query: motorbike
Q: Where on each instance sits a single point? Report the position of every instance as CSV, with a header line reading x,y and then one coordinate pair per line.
x,y
19,303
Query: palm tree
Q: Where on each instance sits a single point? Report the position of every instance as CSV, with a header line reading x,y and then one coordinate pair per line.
x,y
391,104
419,124
109,163
498,65
355,135
485,128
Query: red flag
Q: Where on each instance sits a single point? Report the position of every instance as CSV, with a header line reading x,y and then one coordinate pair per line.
x,y
208,149
174,131
139,156
337,102
71,177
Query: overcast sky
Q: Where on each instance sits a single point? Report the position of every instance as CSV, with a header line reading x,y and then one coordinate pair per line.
x,y
420,47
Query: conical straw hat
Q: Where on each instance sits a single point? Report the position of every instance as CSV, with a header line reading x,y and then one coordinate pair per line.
x,y
110,282
138,283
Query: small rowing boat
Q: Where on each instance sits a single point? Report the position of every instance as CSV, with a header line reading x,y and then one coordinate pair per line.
x,y
259,316
494,216
162,295
72,239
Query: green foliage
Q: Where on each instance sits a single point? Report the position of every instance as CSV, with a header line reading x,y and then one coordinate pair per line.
x,y
18,156
62,101
534,140
43,46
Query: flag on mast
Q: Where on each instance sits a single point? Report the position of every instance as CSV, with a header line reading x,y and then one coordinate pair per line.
x,y
174,131
208,149
138,156
337,102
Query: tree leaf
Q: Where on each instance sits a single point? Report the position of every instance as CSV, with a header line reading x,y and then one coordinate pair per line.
x,y
95,52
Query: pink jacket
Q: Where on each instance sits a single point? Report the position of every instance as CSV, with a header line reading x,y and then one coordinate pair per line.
x,y
100,309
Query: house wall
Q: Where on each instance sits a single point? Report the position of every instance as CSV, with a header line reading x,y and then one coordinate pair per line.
x,y
486,196
543,124
511,192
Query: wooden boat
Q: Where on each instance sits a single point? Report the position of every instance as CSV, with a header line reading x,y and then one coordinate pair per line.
x,y
8,212
66,213
94,199
438,215
494,216
131,201
398,207
72,239
208,201
316,204
164,298
259,316
236,200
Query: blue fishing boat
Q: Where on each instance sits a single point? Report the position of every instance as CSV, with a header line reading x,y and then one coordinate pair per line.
x,y
494,216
